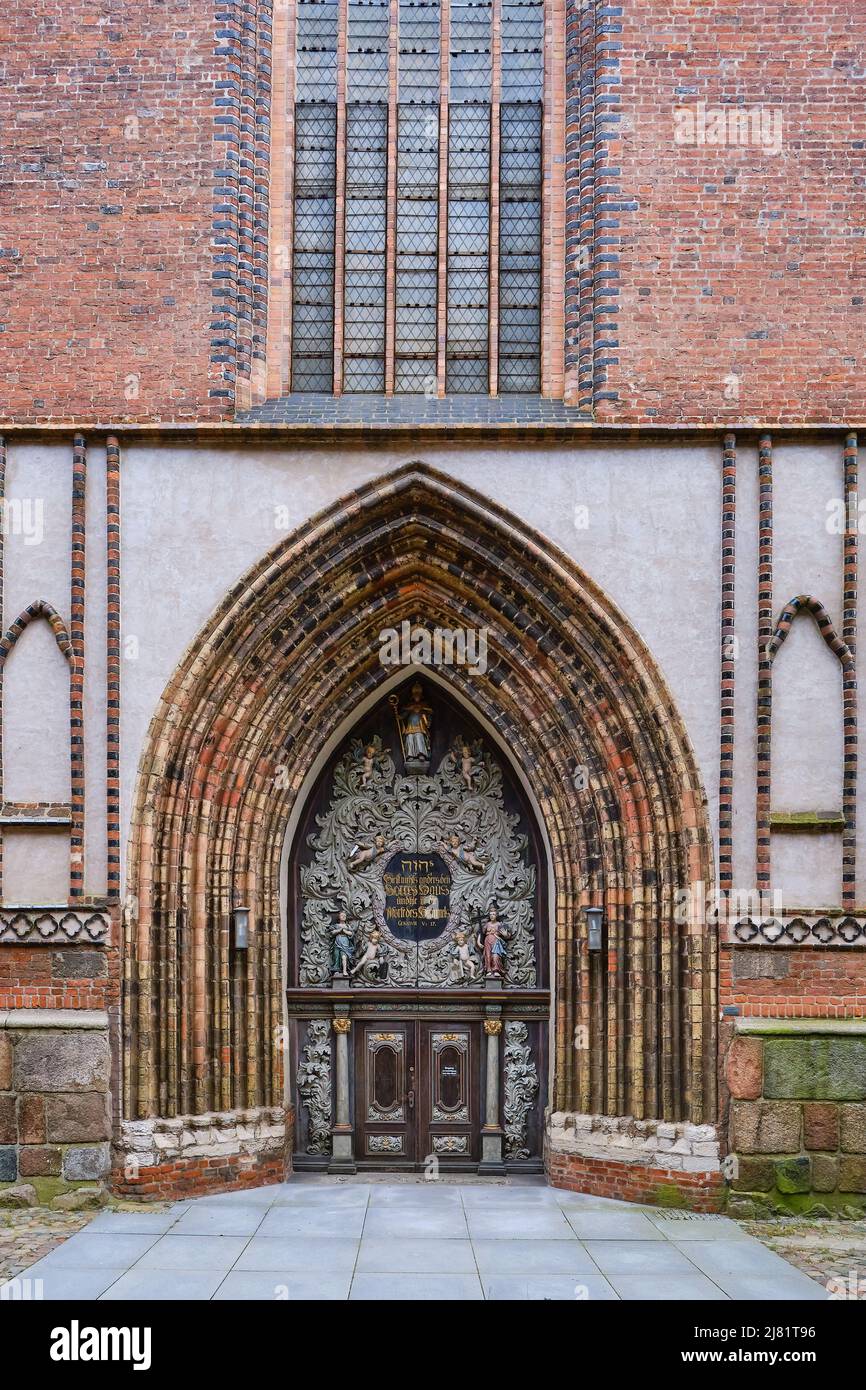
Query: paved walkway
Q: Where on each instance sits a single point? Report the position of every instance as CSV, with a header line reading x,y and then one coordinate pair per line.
x,y
317,1238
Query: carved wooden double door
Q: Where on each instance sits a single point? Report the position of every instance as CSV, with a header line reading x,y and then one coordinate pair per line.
x,y
418,1093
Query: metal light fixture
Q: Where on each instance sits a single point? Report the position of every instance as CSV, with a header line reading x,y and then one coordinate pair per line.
x,y
594,919
241,923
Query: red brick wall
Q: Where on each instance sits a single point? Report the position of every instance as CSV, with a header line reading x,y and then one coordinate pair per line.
x,y
107,112
733,263
58,977
806,982
133,277
629,1182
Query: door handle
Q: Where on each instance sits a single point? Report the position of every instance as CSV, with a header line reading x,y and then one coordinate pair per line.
x,y
410,1094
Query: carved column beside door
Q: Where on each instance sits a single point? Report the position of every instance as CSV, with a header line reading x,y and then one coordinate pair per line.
x,y
491,1134
343,1157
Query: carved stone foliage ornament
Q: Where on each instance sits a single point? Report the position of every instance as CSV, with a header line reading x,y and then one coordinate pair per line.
x,y
521,1089
314,1084
416,863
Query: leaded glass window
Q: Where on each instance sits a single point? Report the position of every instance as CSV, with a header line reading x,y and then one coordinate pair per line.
x,y
417,176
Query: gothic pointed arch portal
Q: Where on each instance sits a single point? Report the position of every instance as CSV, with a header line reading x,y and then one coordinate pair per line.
x,y
572,692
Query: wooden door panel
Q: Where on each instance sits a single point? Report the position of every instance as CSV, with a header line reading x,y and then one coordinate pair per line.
x,y
384,1092
449,1091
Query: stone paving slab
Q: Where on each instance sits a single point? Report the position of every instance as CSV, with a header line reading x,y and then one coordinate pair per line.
x,y
387,1240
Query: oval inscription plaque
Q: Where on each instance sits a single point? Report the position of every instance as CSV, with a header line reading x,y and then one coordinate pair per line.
x,y
417,895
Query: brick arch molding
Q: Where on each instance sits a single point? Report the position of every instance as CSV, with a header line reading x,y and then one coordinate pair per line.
x,y
572,690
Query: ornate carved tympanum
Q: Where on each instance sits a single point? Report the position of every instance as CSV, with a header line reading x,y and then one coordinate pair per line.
x,y
420,873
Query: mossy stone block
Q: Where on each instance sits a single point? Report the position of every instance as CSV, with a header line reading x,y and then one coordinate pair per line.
x,y
793,1174
819,1068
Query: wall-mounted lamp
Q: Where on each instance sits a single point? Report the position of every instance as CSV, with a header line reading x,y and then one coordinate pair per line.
x,y
241,923
594,919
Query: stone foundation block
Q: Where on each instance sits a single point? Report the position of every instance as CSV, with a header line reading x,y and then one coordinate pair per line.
x,y
74,1061
5,1062
8,1163
39,1161
754,1175
760,1127
77,1116
853,1128
815,1068
825,1172
31,1119
852,1174
820,1125
745,1068
8,1123
86,1164
794,1174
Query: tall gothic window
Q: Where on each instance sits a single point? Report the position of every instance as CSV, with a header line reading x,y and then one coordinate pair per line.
x,y
417,196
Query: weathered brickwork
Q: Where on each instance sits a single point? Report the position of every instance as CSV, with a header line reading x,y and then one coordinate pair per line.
x,y
740,290
112,160
793,983
52,977
797,1119
624,1182
666,1164
194,1154
703,281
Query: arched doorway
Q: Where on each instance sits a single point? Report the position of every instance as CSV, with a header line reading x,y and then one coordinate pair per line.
x,y
417,905
281,668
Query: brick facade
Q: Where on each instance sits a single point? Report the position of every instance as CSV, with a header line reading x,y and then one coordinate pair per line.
x,y
111,163
739,289
804,982
703,282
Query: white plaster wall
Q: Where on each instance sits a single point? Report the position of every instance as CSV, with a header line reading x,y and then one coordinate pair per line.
x,y
36,566
807,870
807,738
807,554
95,732
39,475
195,518
36,764
746,671
35,867
642,520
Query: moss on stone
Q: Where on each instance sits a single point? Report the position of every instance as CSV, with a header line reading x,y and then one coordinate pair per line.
x,y
669,1195
793,1175
47,1188
755,1205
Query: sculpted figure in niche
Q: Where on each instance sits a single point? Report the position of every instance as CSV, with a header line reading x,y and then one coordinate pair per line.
x,y
492,937
413,723
468,765
463,961
373,963
368,764
342,946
